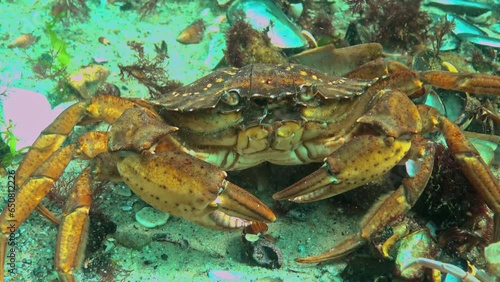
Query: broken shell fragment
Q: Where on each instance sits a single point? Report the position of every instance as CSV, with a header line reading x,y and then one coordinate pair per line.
x,y
24,41
87,80
262,252
193,33
103,40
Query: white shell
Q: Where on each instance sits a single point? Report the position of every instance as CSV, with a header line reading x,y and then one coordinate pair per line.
x,y
295,10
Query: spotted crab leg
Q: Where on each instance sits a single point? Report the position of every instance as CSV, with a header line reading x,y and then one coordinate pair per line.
x,y
73,230
43,165
474,168
473,83
387,207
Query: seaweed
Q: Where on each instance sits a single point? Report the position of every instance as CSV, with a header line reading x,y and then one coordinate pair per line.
x,y
316,19
245,45
68,10
439,30
148,8
396,24
8,146
150,73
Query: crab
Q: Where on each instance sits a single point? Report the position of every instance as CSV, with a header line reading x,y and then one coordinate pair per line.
x,y
173,151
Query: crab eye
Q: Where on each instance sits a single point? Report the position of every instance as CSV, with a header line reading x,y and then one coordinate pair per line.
x,y
231,97
307,92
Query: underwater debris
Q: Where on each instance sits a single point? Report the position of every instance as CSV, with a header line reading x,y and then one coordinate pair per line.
x,y
263,253
225,275
103,40
474,276
23,41
162,50
260,248
414,245
192,34
87,80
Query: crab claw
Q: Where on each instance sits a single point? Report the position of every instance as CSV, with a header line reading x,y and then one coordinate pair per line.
x,y
237,208
341,173
184,186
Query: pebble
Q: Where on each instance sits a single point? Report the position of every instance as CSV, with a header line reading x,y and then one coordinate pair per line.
x,y
126,208
122,190
151,217
301,248
131,237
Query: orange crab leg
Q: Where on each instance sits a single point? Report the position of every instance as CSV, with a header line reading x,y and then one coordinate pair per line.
x,y
46,161
30,195
473,83
474,168
388,207
73,230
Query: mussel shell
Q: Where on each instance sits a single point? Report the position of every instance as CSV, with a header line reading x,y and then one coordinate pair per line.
x,y
480,40
463,26
468,8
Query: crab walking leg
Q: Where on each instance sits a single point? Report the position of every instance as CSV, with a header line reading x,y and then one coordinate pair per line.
x,y
30,195
50,139
36,187
46,161
388,207
73,230
474,168
473,82
99,108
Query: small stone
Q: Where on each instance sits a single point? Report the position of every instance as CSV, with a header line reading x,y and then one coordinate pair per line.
x,y
301,248
122,190
126,208
131,237
151,217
